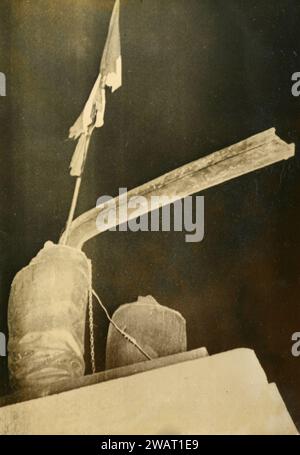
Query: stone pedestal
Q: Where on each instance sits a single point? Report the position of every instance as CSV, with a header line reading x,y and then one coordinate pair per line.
x,y
227,393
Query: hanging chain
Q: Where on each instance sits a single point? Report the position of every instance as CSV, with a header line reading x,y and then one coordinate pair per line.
x,y
124,334
91,323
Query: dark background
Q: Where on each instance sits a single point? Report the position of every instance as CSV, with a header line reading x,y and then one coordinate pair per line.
x,y
198,75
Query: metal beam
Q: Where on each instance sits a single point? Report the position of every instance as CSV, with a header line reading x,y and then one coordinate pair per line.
x,y
254,153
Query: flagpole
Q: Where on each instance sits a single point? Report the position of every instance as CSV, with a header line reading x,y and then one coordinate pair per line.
x,y
76,192
72,210
92,116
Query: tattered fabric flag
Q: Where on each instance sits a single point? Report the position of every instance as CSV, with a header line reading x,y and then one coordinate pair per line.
x,y
110,75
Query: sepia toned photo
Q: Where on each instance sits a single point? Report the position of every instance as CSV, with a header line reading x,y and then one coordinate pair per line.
x,y
150,220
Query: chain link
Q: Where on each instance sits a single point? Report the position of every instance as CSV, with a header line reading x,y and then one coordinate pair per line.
x,y
91,323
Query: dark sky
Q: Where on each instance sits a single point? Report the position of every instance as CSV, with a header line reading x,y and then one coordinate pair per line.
x,y
198,75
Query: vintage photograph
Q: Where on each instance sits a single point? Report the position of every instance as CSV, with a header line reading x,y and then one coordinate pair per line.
x,y
150,219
